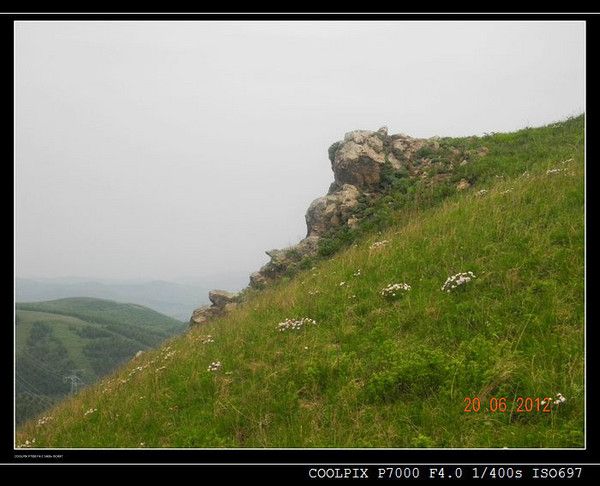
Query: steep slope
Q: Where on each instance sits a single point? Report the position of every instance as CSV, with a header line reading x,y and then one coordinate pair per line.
x,y
80,336
378,371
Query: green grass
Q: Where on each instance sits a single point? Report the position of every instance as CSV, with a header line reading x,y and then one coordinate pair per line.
x,y
379,373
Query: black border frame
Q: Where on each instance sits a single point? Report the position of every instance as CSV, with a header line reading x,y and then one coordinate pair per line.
x,y
278,458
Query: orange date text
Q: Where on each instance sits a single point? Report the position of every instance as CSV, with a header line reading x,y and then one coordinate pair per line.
x,y
504,405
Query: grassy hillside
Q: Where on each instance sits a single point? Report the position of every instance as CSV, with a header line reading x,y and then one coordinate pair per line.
x,y
91,336
386,372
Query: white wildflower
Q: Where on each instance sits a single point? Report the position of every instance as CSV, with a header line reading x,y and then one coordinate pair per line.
x,y
342,284
482,192
27,443
215,366
135,370
43,420
559,399
457,280
556,401
295,324
392,290
208,339
555,171
357,273
90,411
378,244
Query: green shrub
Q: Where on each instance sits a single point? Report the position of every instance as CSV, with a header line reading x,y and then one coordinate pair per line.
x,y
425,152
418,373
422,441
333,149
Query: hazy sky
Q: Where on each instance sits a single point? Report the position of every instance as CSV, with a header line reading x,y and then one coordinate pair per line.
x,y
168,149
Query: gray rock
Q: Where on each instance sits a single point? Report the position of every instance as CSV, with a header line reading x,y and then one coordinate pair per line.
x,y
202,315
352,222
359,164
358,136
284,259
220,298
405,147
258,280
332,210
463,184
222,302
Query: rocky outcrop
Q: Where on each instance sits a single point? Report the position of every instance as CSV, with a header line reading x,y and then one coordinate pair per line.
x,y
284,260
202,314
359,163
359,158
404,148
364,164
220,298
222,302
331,210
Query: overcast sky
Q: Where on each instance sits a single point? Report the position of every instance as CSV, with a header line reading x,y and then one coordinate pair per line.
x,y
163,150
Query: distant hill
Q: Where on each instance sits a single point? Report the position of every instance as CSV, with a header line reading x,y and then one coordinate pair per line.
x,y
174,299
81,337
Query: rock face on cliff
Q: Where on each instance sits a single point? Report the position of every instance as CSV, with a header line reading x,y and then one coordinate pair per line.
x,y
222,302
331,210
359,162
220,298
362,164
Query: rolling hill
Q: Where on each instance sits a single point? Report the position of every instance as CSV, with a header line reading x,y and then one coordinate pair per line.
x,y
438,362
81,337
174,299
